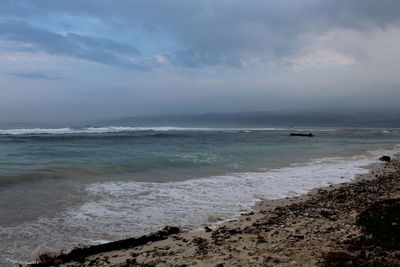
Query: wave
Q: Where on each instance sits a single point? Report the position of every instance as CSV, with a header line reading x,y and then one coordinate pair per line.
x,y
20,138
70,172
53,173
119,129
117,209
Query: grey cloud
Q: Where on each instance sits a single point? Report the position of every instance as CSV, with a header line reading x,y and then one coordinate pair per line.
x,y
98,50
33,75
227,32
201,34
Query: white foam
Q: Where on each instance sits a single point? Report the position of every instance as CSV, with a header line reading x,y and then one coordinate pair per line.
x,y
190,203
35,131
116,129
115,210
149,206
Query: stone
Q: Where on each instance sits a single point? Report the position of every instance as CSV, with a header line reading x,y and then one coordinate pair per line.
x,y
385,158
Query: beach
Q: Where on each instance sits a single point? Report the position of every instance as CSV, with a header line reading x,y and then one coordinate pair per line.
x,y
317,229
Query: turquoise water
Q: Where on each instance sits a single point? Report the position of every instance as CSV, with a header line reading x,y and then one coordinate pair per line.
x,y
168,154
108,174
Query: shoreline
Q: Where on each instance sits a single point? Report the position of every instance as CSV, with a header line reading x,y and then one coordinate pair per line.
x,y
270,204
277,233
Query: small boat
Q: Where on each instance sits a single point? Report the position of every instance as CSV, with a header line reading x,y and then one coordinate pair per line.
x,y
301,134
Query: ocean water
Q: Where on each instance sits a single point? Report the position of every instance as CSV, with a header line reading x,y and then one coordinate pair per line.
x,y
64,187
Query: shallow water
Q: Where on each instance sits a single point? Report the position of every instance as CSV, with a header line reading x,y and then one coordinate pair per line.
x,y
63,187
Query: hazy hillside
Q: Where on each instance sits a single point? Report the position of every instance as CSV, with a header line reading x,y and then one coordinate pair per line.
x,y
264,118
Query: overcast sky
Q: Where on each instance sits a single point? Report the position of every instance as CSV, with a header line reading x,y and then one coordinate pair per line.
x,y
65,60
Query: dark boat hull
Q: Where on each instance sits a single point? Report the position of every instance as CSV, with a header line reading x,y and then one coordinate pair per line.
x,y
301,134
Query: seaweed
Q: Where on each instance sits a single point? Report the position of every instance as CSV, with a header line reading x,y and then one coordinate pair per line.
x,y
382,221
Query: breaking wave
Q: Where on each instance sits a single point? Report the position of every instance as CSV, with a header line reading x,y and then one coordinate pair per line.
x,y
114,210
119,129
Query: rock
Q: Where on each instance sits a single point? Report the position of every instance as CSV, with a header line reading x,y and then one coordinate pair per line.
x,y
385,158
43,253
298,236
235,231
202,245
326,213
207,229
214,219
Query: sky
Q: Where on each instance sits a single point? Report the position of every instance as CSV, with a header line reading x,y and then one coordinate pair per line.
x,y
82,60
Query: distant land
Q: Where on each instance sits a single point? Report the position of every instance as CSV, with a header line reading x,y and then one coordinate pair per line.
x,y
263,119
12,125
239,119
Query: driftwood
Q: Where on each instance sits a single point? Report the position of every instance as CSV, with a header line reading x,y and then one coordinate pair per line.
x,y
80,254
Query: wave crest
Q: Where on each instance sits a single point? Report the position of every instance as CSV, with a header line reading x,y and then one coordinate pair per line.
x,y
118,129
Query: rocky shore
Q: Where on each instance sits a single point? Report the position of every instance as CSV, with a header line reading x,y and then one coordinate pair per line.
x,y
353,224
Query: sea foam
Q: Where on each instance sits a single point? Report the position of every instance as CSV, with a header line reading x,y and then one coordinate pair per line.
x,y
117,129
115,210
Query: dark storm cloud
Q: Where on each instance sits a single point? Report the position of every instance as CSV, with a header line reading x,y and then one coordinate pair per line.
x,y
226,32
74,45
33,75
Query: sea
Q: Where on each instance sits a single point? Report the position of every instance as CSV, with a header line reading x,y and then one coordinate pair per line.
x,y
67,187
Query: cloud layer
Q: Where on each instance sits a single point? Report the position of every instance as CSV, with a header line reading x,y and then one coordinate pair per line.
x,y
149,57
205,33
100,50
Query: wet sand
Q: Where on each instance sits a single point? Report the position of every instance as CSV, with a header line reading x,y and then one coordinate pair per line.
x,y
298,231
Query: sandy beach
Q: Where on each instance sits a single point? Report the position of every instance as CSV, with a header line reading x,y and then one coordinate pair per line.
x,y
321,228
